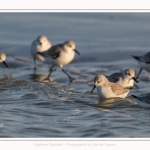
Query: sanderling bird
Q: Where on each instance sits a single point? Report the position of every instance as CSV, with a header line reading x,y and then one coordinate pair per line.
x,y
3,58
41,44
60,55
106,89
143,101
125,78
144,62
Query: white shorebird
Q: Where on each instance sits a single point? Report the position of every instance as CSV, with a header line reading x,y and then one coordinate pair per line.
x,y
143,101
41,44
125,79
3,58
106,89
60,55
144,62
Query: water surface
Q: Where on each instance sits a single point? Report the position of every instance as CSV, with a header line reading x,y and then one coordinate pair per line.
x,y
32,107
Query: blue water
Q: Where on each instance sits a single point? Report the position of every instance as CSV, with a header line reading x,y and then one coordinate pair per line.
x,y
30,107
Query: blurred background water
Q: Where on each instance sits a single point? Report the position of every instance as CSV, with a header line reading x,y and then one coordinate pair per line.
x,y
30,107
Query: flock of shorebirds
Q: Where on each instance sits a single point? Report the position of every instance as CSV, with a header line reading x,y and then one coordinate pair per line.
x,y
115,85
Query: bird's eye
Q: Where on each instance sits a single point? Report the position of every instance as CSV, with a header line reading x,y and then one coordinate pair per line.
x,y
129,74
97,81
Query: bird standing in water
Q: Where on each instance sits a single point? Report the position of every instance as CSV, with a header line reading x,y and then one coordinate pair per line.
x,y
144,62
41,44
60,55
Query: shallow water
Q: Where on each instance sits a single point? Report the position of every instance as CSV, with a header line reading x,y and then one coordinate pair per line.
x,y
32,107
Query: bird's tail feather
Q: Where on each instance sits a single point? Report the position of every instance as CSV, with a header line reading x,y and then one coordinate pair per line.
x,y
44,54
134,96
139,58
136,57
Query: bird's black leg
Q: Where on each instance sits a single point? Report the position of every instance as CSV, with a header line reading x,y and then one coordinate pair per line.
x,y
50,71
139,73
71,79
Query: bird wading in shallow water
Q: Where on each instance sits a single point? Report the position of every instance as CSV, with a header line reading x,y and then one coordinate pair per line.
x,y
143,101
125,79
40,44
106,89
144,62
60,55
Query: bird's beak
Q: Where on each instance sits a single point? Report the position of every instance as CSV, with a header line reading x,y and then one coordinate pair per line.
x,y
5,64
135,80
76,51
93,88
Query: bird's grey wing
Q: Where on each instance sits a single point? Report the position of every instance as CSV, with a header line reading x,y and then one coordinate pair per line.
x,y
139,58
114,77
118,89
146,57
54,51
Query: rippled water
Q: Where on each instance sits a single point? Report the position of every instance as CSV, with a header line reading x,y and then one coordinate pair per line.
x,y
32,107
